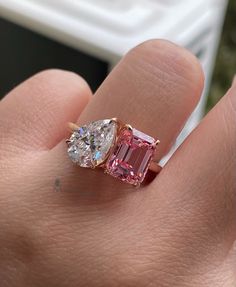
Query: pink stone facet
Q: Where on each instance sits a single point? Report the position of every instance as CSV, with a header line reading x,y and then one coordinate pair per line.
x,y
131,156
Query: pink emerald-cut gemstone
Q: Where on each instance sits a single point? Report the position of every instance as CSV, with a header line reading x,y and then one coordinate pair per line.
x,y
131,156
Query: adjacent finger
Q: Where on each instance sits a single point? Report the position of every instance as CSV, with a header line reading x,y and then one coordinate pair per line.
x,y
200,181
35,114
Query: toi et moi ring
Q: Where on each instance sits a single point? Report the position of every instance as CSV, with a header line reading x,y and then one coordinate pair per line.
x,y
121,150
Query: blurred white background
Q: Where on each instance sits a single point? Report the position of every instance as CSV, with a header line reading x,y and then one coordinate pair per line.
x,y
108,29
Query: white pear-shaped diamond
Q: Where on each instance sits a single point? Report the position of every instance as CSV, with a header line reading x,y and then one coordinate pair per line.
x,y
89,145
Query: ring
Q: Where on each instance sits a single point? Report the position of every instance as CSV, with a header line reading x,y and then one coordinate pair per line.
x,y
121,150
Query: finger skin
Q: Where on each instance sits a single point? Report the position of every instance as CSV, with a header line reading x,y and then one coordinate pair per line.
x,y
154,88
80,236
35,114
202,192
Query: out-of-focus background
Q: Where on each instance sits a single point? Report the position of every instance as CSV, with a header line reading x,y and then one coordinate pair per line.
x,y
225,65
23,53
89,37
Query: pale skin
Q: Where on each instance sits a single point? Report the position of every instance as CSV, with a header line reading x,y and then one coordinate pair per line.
x,y
61,225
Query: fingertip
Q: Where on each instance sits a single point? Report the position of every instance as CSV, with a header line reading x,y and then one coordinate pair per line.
x,y
37,111
51,79
180,63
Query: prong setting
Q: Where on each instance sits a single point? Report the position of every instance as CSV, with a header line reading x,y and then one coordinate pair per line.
x,y
128,127
114,120
73,127
113,146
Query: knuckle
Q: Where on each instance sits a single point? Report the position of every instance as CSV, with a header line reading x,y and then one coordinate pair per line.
x,y
168,50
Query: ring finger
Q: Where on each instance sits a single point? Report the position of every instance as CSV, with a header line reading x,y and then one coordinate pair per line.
x,y
154,88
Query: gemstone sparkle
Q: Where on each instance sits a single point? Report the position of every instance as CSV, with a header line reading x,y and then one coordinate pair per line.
x,y
131,156
90,144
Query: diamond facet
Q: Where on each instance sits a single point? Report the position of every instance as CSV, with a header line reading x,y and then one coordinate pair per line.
x,y
89,145
130,158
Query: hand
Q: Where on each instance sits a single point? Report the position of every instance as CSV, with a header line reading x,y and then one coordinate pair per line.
x,y
180,230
